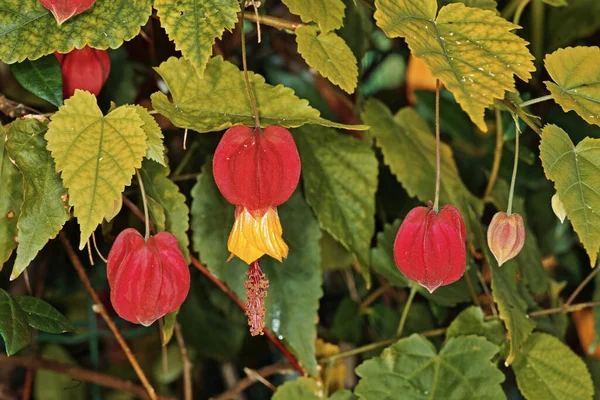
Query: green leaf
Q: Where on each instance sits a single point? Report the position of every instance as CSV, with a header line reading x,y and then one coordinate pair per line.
x,y
96,156
348,321
329,14
154,136
358,25
157,214
343,395
300,389
406,141
330,55
220,100
413,368
13,324
169,327
577,81
42,316
334,256
471,321
42,77
472,51
484,4
340,181
195,24
295,285
44,210
50,385
548,369
11,197
556,3
29,30
579,20
164,191
575,172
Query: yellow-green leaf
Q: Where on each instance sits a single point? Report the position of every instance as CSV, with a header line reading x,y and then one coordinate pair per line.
x,y
11,197
472,51
44,210
329,14
330,55
219,100
156,148
96,156
576,175
577,81
195,24
29,30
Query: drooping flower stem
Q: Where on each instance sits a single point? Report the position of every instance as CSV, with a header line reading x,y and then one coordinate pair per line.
x,y
497,155
515,165
411,296
145,202
245,66
436,201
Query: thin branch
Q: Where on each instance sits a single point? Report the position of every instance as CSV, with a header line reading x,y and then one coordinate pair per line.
x,y
523,115
99,308
187,364
265,372
565,309
278,23
497,155
79,374
581,286
373,296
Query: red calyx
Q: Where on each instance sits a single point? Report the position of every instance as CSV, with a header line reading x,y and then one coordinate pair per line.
x,y
147,279
65,9
85,69
257,169
430,246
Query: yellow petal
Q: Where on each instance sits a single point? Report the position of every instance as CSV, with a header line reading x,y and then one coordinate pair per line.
x,y
252,237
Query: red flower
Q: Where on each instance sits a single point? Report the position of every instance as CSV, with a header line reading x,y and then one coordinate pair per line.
x,y
85,69
430,246
65,9
147,279
257,171
506,236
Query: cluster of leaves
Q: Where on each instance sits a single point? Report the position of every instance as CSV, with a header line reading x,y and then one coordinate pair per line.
x,y
365,163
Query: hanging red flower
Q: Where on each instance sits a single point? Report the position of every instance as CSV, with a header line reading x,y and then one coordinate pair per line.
x,y
430,246
506,236
147,279
65,9
85,69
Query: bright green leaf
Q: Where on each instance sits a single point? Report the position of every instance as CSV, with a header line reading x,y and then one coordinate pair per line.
x,y
220,100
29,30
295,284
575,172
156,148
329,14
340,181
11,197
195,24
577,81
42,77
167,194
471,321
96,156
50,385
42,316
300,389
413,369
13,324
472,51
44,210
330,55
547,369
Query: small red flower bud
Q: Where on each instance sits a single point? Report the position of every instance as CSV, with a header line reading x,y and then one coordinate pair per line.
x,y
256,291
506,236
85,69
430,246
147,279
257,170
65,9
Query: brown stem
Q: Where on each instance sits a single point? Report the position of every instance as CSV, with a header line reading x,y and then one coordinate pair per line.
x,y
580,287
187,364
265,372
79,374
278,23
372,297
565,309
99,308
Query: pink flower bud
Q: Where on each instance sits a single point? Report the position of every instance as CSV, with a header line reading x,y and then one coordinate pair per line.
x,y
506,236
147,279
85,69
430,246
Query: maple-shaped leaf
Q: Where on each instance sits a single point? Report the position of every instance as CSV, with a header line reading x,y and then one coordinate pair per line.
x,y
329,14
96,156
156,147
195,24
44,210
471,50
576,77
330,55
220,100
29,30
575,171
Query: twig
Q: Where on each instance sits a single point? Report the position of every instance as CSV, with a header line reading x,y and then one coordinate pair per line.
x,y
99,308
580,287
372,297
351,285
265,372
488,294
79,374
252,374
565,309
497,155
278,23
187,364
523,115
